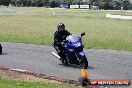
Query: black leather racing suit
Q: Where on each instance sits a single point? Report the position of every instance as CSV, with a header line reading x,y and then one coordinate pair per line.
x,y
59,36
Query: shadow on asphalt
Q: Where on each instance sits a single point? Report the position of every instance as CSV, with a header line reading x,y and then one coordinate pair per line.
x,y
4,54
75,66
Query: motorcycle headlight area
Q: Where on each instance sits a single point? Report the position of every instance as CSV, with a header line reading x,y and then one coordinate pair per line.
x,y
78,44
71,50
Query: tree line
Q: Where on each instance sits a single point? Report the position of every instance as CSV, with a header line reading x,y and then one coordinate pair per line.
x,y
106,4
103,4
35,3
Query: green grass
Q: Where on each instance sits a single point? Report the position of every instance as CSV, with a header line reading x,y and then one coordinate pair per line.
x,y
4,83
37,25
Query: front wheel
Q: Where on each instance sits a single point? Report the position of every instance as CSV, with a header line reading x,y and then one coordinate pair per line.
x,y
0,49
83,62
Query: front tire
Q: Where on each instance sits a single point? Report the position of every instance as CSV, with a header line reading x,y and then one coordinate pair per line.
x,y
86,65
83,62
0,49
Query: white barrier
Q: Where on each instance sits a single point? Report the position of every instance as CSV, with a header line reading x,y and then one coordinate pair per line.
x,y
81,6
74,6
119,17
84,6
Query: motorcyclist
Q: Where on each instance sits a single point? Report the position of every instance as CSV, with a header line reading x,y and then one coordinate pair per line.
x,y
59,37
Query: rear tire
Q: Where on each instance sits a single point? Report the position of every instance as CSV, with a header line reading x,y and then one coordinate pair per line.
x,y
64,61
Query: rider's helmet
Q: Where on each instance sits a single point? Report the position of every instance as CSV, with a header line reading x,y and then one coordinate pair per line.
x,y
60,27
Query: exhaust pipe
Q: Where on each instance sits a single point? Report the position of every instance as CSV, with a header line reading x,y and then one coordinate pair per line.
x,y
56,55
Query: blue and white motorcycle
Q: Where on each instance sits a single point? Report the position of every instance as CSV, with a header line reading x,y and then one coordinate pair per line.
x,y
73,50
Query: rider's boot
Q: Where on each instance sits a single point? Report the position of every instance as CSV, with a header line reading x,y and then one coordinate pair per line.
x,y
63,58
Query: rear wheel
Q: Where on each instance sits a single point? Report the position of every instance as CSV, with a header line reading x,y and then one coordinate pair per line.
x,y
64,61
83,62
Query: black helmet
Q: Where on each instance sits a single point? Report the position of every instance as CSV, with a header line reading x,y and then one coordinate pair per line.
x,y
60,26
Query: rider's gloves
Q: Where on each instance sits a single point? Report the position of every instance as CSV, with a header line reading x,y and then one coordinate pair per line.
x,y
62,43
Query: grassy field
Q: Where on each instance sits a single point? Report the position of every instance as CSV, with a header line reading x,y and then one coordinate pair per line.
x,y
37,25
21,84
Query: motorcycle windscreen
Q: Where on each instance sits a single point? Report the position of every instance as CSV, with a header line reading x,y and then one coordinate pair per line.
x,y
73,38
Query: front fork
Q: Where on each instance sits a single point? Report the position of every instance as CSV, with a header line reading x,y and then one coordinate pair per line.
x,y
80,54
81,58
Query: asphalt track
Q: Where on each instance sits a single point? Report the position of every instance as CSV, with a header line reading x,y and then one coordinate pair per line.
x,y
103,64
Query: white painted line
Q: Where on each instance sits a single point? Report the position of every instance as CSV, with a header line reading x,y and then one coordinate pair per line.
x,y
119,17
19,70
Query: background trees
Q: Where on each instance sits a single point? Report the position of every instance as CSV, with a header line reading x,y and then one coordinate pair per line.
x,y
103,4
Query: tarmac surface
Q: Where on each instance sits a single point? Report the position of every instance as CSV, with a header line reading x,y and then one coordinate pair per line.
x,y
103,64
8,11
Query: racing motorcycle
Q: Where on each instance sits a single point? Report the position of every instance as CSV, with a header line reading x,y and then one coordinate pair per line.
x,y
73,50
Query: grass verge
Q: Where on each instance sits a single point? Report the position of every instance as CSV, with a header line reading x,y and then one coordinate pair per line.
x,y
4,83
